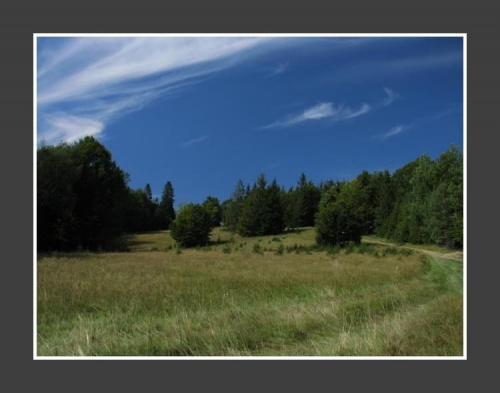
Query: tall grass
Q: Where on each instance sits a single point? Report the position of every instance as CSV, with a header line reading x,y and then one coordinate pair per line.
x,y
211,302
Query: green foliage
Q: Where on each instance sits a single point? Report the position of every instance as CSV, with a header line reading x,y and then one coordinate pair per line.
x,y
192,226
231,208
262,211
280,250
257,249
142,211
84,203
165,213
341,218
423,202
81,197
301,204
213,208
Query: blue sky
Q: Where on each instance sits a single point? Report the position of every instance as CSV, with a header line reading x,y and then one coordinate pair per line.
x,y
205,111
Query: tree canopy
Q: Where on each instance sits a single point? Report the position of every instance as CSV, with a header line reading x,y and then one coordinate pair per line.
x,y
192,226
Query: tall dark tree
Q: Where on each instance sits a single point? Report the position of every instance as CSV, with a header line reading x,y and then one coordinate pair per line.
x,y
165,212
262,212
81,196
233,206
138,212
288,200
148,192
274,221
57,223
383,189
253,212
306,202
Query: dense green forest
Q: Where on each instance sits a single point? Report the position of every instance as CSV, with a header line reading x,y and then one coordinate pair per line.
x,y
84,202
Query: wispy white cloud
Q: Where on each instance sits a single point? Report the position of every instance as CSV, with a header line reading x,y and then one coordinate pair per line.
x,y
194,141
395,131
92,81
391,96
332,111
278,69
442,114
322,110
70,128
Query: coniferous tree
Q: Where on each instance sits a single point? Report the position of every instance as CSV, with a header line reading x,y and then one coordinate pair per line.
x,y
233,206
274,222
165,212
262,211
288,199
148,192
382,187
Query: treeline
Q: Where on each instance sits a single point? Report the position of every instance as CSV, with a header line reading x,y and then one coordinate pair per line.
x,y
147,214
268,209
84,202
421,202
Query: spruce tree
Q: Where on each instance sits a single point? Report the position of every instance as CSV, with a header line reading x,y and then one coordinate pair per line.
x,y
233,207
165,212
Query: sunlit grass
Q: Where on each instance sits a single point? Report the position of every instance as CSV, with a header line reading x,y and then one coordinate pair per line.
x,y
370,300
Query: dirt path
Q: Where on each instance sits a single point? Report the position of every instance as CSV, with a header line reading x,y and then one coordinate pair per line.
x,y
456,255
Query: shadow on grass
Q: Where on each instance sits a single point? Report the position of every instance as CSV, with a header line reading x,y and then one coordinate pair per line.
x,y
65,255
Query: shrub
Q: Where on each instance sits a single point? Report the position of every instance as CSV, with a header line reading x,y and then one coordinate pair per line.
x,y
192,226
256,249
280,250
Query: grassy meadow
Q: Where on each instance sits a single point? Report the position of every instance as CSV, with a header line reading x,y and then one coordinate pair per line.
x,y
267,296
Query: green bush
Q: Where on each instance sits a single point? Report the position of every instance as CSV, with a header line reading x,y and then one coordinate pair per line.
x,y
280,250
192,226
257,249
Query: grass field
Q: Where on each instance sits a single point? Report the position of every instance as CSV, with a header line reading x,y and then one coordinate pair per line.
x,y
275,295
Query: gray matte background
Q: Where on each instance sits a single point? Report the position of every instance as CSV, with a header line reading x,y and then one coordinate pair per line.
x,y
20,19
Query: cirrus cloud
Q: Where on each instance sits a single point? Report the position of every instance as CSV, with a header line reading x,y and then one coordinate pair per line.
x,y
332,111
83,84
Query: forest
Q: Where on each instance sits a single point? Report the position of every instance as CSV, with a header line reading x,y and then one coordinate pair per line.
x,y
84,203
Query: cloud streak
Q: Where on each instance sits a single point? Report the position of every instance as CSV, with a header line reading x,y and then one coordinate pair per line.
x,y
391,96
71,128
322,110
279,69
194,141
86,83
331,111
395,131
